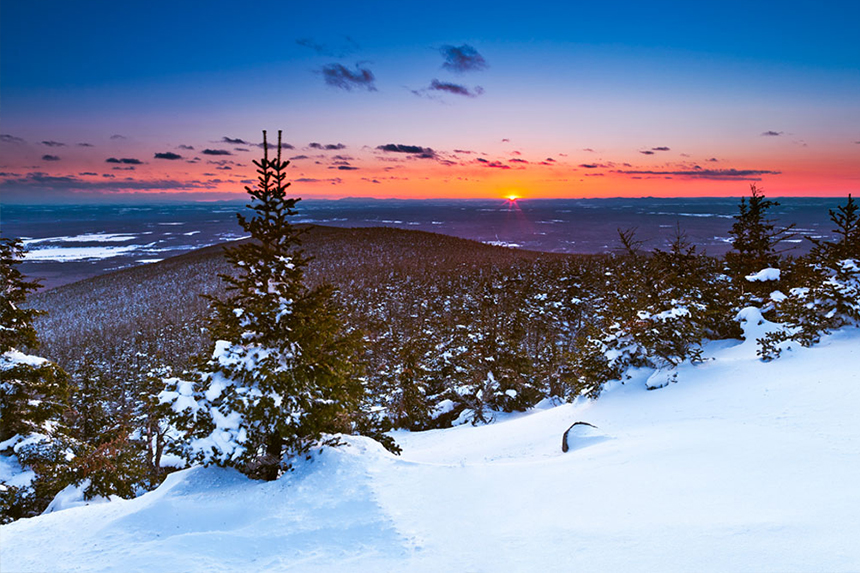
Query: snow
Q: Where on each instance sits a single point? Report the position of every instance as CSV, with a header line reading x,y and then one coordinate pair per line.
x,y
85,238
741,465
12,358
65,254
73,496
769,274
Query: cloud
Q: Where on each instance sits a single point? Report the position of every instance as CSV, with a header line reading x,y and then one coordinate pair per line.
x,y
41,183
771,133
591,165
550,159
647,152
117,137
713,174
85,145
517,160
461,59
88,173
188,147
168,155
333,180
297,157
713,160
416,150
660,149
327,147
216,152
318,48
50,158
6,138
462,151
339,76
347,168
124,160
349,46
53,144
455,89
234,141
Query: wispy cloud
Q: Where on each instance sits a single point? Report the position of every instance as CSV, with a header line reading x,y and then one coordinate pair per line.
x,y
118,137
168,155
327,147
6,138
713,174
216,152
348,46
50,158
58,185
771,133
53,144
333,180
414,150
341,77
124,160
461,59
455,89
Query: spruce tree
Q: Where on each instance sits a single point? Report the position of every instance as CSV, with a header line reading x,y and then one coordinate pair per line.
x,y
33,394
755,236
32,389
281,376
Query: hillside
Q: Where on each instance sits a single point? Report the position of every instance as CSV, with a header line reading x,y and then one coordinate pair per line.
x,y
157,308
741,465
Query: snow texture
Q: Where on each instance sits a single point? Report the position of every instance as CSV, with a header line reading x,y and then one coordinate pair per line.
x,y
741,466
764,275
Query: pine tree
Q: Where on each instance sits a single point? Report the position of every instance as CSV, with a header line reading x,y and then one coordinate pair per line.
x,y
755,236
829,295
32,389
281,377
33,393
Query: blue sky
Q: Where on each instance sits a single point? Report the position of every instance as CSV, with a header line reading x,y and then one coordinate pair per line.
x,y
705,80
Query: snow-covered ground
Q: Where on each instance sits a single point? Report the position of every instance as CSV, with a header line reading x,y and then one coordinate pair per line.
x,y
740,466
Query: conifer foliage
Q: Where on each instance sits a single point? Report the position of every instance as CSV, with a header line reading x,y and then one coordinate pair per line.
x,y
33,390
281,376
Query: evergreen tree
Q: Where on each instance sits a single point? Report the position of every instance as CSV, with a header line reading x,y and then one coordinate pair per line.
x,y
828,295
755,236
281,377
32,389
33,393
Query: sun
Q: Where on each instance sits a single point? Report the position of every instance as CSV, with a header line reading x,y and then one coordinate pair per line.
x,y
512,197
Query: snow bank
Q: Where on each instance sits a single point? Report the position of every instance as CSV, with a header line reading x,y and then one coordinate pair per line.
x,y
741,465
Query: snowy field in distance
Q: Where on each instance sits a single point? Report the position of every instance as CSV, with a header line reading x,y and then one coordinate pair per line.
x,y
740,466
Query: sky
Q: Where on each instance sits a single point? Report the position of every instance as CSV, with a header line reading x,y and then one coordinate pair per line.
x,y
108,101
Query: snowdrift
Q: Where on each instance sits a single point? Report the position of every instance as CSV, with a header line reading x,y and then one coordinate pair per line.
x,y
740,465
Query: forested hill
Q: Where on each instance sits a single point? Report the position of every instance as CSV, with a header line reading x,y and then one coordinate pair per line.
x,y
157,309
